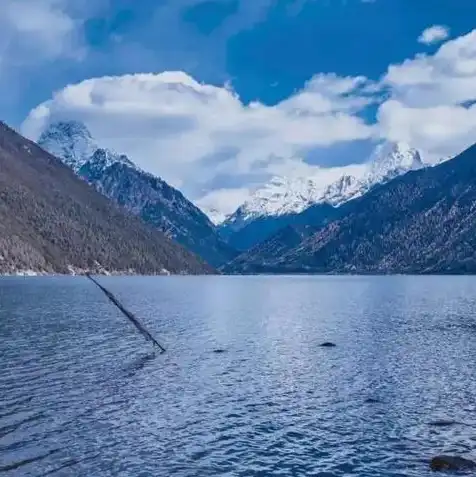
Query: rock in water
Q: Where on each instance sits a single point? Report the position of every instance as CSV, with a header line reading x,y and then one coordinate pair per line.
x,y
443,423
219,351
328,344
372,401
448,462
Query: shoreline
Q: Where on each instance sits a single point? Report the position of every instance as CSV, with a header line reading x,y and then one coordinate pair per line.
x,y
76,273
37,274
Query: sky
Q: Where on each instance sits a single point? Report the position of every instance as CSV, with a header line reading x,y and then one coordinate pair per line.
x,y
218,96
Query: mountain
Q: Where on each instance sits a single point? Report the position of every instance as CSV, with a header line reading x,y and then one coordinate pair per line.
x,y
280,202
421,222
264,256
70,141
139,192
51,221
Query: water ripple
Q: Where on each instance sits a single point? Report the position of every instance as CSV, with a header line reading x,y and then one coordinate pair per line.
x,y
83,395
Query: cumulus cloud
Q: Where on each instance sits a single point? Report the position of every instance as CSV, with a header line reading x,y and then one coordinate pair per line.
x,y
205,140
431,99
191,133
434,34
447,77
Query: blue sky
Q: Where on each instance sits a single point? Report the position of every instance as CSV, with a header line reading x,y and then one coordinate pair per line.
x,y
266,52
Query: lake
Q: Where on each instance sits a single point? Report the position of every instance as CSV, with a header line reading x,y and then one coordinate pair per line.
x,y
83,395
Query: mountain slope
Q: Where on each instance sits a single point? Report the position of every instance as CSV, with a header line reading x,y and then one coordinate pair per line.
x,y
261,229
422,222
140,193
279,202
52,221
264,256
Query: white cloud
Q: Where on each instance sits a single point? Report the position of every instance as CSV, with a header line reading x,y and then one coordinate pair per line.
x,y
33,30
220,203
434,34
447,77
430,105
439,131
192,134
200,137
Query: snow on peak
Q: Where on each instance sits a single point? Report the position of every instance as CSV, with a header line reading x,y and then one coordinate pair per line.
x,y
72,142
106,158
334,186
342,190
393,159
283,196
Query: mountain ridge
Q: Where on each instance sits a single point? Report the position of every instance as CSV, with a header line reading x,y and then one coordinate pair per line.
x,y
421,222
141,193
282,201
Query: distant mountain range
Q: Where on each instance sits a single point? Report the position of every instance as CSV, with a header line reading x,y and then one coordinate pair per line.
x,y
95,210
139,192
53,222
288,201
421,222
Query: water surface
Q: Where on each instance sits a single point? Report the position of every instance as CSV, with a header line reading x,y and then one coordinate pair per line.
x,y
82,395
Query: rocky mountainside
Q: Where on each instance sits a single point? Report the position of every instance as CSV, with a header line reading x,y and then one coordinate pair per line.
x,y
422,222
279,202
139,192
51,221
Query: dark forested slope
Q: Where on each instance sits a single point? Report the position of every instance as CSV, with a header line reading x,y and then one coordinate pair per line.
x,y
422,222
52,221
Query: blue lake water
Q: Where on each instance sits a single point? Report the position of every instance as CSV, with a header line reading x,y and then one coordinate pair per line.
x,y
82,395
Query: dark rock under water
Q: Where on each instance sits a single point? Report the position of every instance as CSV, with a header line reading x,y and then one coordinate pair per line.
x,y
327,344
443,423
372,401
448,462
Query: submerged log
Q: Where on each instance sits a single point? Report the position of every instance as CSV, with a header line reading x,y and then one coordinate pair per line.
x,y
128,314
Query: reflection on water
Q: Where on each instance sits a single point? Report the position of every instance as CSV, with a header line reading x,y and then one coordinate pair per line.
x,y
84,395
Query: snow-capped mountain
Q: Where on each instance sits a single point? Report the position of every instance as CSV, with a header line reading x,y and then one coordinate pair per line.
x,y
422,223
389,160
283,197
141,193
72,142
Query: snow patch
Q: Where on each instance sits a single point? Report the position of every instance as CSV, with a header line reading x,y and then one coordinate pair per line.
x,y
27,273
24,273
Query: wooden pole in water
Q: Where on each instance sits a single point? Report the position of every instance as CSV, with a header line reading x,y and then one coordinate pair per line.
x,y
128,314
